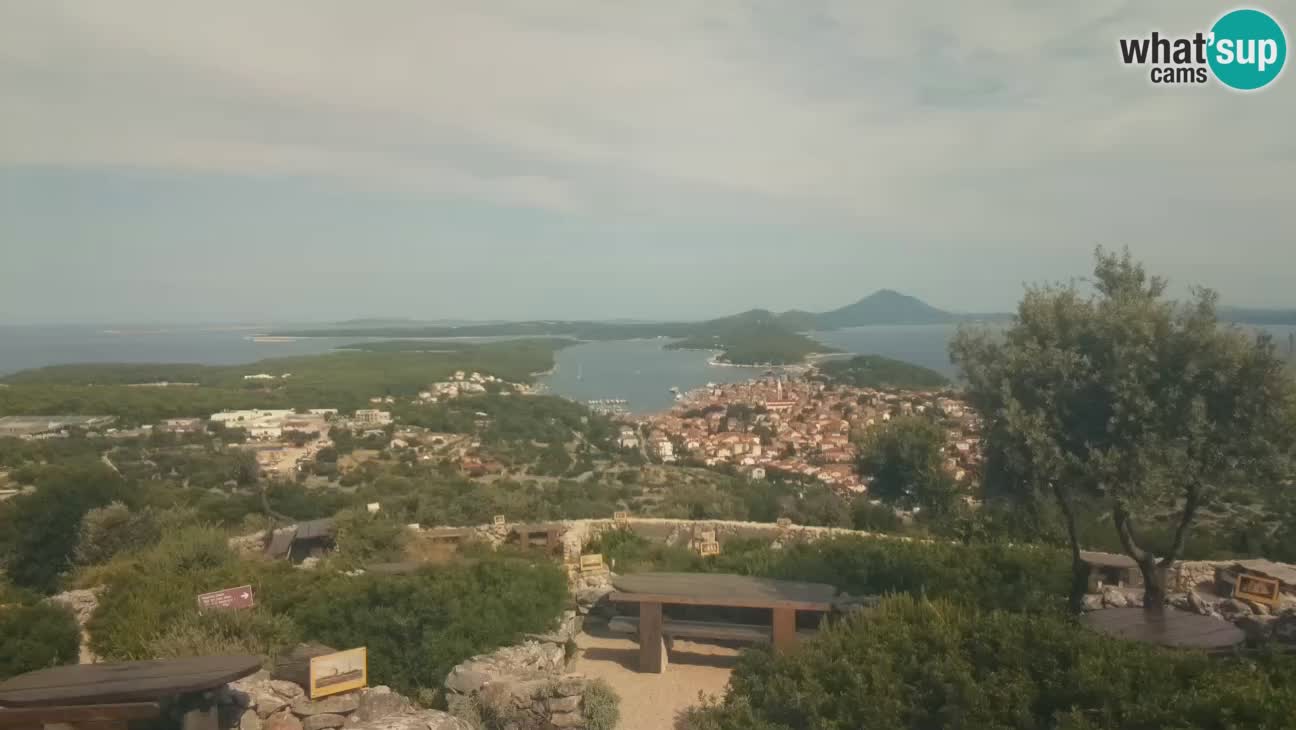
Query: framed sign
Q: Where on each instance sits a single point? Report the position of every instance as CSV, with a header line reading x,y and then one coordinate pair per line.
x,y
499,520
341,671
591,562
1255,588
710,547
373,507
229,598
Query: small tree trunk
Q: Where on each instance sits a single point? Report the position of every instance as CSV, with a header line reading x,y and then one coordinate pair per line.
x,y
1154,585
1079,583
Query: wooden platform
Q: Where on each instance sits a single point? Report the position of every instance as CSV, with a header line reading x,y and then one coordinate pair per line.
x,y
712,589
1171,627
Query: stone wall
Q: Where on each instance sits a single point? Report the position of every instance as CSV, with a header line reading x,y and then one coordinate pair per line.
x,y
528,686
261,703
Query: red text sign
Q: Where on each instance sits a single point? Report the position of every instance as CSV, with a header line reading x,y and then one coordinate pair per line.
x,y
240,597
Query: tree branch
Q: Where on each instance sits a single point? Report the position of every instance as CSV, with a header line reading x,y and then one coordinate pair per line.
x,y
1191,504
1125,529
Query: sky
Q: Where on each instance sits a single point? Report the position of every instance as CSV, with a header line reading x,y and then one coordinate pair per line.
x,y
313,160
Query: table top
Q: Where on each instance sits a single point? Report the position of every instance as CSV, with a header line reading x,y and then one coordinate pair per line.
x,y
720,589
83,684
1172,627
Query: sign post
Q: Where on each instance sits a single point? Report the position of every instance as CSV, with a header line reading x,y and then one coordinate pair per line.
x,y
1258,589
229,598
342,671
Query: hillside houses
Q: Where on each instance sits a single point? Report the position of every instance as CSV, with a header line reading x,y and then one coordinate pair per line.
x,y
798,427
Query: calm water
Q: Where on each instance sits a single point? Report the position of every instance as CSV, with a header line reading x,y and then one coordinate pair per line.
x,y
32,347
638,371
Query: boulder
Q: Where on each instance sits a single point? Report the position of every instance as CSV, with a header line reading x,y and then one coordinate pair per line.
x,y
1198,605
1113,597
567,719
466,679
587,598
420,720
568,627
1092,601
522,660
282,720
339,704
1232,608
379,702
249,721
323,721
564,704
257,692
284,688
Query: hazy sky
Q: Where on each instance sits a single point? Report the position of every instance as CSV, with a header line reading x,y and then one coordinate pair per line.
x,y
172,160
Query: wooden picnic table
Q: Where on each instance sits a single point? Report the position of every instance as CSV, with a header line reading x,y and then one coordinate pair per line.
x,y
130,683
653,590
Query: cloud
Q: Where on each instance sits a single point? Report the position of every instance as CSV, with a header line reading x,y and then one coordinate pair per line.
x,y
940,120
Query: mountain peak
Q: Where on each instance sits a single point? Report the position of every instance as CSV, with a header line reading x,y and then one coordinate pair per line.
x,y
884,306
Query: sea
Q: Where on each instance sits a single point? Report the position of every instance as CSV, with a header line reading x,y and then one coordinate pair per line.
x,y
640,372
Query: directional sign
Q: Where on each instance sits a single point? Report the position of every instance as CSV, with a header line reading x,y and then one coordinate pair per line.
x,y
232,598
338,672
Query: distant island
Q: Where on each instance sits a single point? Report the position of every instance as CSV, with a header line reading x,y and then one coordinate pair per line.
x,y
755,337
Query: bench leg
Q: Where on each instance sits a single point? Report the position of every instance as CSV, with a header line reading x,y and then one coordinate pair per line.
x,y
650,638
785,635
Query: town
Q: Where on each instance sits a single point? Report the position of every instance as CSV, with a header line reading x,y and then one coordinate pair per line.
x,y
800,426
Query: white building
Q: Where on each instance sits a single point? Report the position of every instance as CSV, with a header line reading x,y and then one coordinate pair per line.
x,y
372,417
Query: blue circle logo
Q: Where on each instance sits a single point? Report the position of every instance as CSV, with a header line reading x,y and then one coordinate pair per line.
x,y
1247,49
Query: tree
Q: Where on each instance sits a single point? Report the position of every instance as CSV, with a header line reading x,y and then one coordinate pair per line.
x,y
903,457
42,528
1125,400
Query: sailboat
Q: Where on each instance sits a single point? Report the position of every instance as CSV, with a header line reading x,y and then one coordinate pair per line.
x,y
580,371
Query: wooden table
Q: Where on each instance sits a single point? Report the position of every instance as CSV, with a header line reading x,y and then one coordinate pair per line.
x,y
652,590
1170,627
130,682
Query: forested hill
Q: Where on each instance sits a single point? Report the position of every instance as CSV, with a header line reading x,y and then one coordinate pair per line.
x,y
875,371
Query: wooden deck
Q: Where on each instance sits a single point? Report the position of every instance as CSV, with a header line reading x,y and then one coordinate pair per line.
x,y
1171,627
710,589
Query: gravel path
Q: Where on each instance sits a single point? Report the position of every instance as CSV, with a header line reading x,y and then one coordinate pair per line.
x,y
652,701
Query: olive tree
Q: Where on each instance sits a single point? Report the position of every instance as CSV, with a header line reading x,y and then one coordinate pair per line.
x,y
1125,399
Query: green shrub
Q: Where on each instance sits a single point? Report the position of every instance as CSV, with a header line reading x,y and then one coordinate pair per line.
x,y
36,636
918,664
145,593
1016,578
205,633
114,529
417,627
365,538
601,706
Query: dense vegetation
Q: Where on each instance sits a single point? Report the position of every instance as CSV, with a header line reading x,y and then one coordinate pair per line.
x,y
875,371
415,626
344,380
755,338
903,459
1012,578
36,636
918,664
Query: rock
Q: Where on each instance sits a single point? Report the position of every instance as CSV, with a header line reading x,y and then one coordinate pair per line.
x,y
421,720
339,704
1113,597
587,598
379,702
1231,608
1134,600
322,721
568,627
81,602
1284,627
567,719
249,721
466,679
1257,628
268,703
1198,606
564,704
282,720
284,688
309,563
1258,609
257,692
1179,601
230,696
1092,602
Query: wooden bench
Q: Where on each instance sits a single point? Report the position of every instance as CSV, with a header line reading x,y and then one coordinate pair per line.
x,y
715,631
90,717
